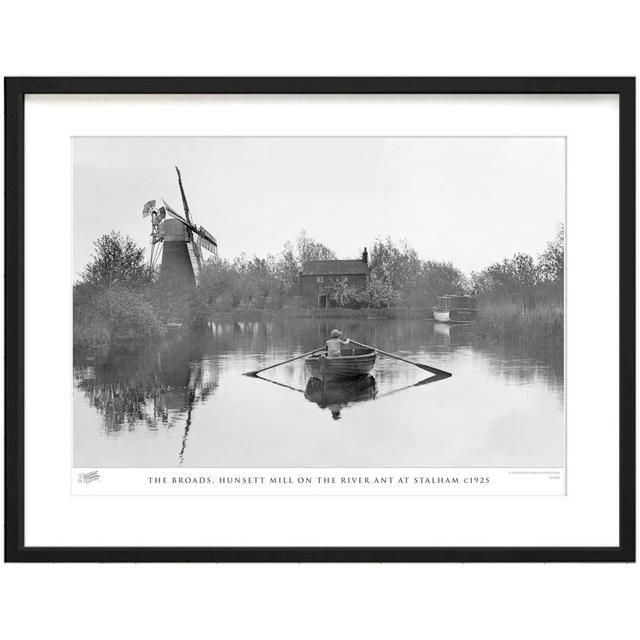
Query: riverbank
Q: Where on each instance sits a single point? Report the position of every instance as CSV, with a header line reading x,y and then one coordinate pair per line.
x,y
504,323
508,323
337,312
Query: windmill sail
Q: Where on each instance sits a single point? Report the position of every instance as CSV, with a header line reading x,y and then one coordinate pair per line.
x,y
194,258
201,231
207,243
185,205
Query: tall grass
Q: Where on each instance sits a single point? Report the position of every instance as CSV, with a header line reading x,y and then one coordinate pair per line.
x,y
506,322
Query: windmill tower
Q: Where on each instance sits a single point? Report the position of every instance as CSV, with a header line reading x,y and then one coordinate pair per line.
x,y
179,242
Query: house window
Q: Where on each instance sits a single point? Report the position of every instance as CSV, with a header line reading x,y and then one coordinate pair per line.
x,y
319,278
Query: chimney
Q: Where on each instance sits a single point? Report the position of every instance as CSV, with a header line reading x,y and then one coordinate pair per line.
x,y
365,256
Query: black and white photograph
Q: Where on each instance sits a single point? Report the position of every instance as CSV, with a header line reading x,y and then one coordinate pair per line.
x,y
319,303
281,325
320,320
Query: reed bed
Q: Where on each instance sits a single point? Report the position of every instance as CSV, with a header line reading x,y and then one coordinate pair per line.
x,y
542,326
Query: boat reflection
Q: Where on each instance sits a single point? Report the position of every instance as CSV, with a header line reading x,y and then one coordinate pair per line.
x,y
450,335
338,394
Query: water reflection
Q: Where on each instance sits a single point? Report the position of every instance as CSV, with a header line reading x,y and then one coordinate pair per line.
x,y
157,387
335,395
185,401
516,364
451,335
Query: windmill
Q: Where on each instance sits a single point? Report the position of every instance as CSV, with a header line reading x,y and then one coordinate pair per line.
x,y
180,242
169,227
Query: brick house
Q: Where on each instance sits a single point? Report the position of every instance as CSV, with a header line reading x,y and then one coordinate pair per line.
x,y
318,276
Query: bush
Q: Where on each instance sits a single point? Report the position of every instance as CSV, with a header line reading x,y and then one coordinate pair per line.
x,y
129,316
114,317
91,335
112,302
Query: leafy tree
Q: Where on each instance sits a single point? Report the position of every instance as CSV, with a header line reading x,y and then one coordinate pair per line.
x,y
258,281
308,249
437,279
215,280
514,279
287,270
116,260
551,261
396,266
342,294
113,303
379,294
416,282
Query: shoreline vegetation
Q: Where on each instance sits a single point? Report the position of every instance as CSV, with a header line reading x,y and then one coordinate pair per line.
x,y
118,300
539,327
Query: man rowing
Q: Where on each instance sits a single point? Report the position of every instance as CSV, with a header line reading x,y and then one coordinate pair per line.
x,y
334,344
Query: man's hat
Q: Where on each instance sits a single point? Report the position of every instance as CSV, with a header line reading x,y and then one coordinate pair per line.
x,y
336,334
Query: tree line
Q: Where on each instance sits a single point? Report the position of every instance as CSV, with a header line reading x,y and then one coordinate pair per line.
x,y
398,278
523,279
118,295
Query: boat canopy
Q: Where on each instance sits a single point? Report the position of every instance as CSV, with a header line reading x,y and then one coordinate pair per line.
x,y
456,302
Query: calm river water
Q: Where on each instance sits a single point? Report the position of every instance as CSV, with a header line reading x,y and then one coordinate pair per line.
x,y
186,403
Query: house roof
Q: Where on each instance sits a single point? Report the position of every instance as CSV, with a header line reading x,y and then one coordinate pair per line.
x,y
335,268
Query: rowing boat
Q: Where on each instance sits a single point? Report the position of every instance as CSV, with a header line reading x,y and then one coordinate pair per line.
x,y
358,363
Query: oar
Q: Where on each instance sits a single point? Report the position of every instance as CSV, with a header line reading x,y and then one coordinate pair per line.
x,y
438,372
428,380
280,384
253,374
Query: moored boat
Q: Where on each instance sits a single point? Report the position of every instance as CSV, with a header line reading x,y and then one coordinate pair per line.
x,y
351,364
452,308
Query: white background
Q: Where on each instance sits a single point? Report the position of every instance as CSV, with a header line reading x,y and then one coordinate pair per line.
x,y
332,38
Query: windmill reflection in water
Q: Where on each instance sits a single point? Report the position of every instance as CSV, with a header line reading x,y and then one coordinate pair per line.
x,y
157,387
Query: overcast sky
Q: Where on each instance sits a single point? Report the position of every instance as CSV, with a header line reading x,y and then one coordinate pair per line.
x,y
468,200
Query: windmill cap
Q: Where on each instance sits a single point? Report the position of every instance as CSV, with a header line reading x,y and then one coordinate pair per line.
x,y
336,333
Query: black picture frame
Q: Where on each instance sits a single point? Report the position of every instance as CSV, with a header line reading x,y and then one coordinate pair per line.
x,y
15,91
